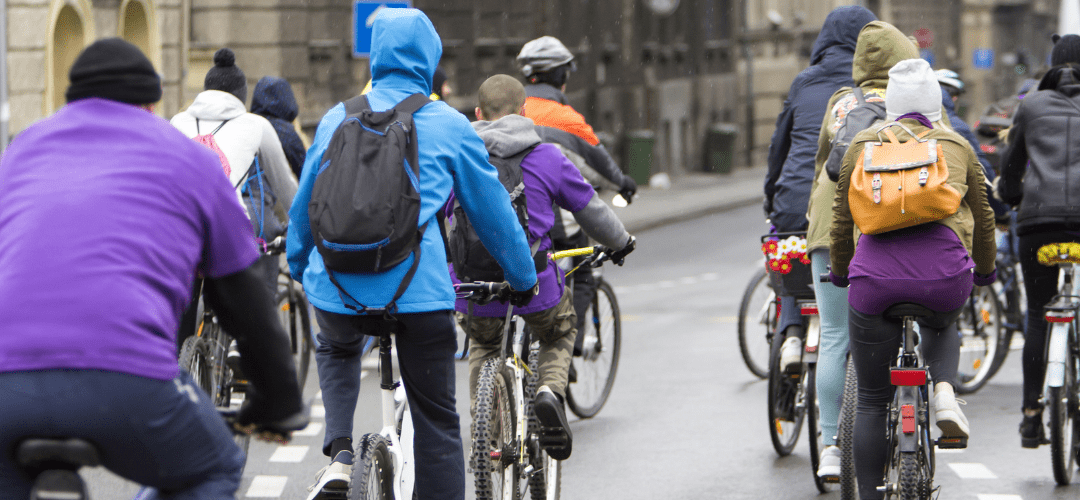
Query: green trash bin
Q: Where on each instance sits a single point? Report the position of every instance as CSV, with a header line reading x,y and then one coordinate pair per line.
x,y
719,150
639,149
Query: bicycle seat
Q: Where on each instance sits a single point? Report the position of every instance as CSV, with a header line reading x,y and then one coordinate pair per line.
x,y
71,453
905,309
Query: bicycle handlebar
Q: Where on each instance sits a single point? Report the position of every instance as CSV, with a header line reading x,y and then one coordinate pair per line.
x,y
483,292
574,252
276,246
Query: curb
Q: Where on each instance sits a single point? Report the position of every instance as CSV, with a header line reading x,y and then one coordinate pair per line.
x,y
646,224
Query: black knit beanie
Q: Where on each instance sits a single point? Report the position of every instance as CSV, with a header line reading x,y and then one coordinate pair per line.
x,y
1066,50
114,69
226,76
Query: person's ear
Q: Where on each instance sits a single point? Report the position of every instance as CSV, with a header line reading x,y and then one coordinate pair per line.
x,y
479,115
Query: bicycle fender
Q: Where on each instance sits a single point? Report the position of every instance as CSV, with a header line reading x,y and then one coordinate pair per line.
x,y
1056,354
908,442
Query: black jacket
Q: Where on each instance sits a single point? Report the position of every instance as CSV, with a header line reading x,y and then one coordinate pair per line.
x,y
964,130
795,141
1041,171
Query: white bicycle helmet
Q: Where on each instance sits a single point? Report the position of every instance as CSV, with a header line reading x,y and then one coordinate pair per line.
x,y
543,54
950,78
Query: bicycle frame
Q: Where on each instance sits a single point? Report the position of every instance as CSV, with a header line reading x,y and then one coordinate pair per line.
x,y
1061,315
395,419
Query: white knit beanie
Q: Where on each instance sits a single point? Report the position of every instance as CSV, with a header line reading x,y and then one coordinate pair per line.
x,y
913,88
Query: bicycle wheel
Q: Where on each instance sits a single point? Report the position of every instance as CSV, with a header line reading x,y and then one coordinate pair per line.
x,y
493,461
849,489
757,320
546,484
813,427
373,475
980,327
294,315
1064,426
786,409
599,360
912,484
195,359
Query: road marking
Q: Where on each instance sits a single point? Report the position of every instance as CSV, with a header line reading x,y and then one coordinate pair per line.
x,y
983,496
972,471
724,319
289,454
953,451
312,429
318,411
267,486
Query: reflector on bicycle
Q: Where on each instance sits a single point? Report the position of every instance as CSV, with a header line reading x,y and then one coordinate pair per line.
x,y
1060,317
908,376
809,309
907,418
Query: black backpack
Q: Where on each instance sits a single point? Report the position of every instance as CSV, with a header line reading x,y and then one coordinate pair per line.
x,y
472,261
365,203
859,118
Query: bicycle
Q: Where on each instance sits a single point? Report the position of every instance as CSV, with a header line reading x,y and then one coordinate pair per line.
x,y
600,340
1063,359
758,313
294,312
982,344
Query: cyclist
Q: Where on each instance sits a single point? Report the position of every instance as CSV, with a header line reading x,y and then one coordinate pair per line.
x,y
273,99
892,267
546,64
549,178
130,211
405,51
1037,174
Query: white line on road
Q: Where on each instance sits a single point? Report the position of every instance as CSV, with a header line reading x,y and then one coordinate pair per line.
x,y
952,451
972,471
267,486
312,429
289,454
983,496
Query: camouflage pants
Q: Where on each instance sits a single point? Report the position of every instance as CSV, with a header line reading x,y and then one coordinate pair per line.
x,y
554,328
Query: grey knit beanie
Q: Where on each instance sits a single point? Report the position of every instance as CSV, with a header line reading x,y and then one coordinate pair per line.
x,y
913,88
226,76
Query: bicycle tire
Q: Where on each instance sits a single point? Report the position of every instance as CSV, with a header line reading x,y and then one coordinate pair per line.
x,y
849,489
813,427
492,460
295,317
1064,430
912,484
373,475
547,483
755,353
599,361
785,415
981,327
195,359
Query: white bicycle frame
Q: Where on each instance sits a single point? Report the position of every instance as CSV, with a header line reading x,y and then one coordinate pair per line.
x,y
395,410
813,331
1057,354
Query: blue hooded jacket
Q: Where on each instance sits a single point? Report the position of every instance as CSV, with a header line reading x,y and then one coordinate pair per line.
x,y
795,141
405,51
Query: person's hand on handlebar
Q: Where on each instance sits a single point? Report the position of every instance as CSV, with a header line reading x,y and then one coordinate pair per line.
x,y
523,297
628,189
618,257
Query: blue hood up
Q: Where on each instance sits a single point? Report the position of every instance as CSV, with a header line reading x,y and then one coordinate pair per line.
x,y
405,50
841,28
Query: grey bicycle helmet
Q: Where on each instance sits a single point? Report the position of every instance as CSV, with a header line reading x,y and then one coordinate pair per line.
x,y
952,79
543,54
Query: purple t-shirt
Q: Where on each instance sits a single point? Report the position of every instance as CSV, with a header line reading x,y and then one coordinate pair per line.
x,y
549,178
107,212
926,264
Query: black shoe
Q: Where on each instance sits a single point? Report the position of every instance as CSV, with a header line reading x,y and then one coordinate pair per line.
x,y
571,375
1032,432
555,436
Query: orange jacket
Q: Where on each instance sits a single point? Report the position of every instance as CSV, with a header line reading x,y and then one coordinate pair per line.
x,y
549,113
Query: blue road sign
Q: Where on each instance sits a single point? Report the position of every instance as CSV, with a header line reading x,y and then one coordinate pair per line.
x,y
364,12
983,58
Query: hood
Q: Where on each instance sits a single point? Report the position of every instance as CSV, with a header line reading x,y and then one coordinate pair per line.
x,y
405,49
880,46
273,98
841,29
508,135
216,105
1064,79
946,101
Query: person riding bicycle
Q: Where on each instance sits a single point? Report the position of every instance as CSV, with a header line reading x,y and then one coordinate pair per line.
x,y
546,64
130,211
549,178
1038,176
929,264
405,50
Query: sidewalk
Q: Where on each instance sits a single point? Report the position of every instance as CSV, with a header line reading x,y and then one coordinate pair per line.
x,y
692,195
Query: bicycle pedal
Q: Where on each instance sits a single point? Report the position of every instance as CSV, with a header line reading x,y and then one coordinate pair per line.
x,y
831,480
951,443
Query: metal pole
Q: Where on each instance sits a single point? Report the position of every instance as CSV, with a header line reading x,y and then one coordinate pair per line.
x,y
748,56
5,109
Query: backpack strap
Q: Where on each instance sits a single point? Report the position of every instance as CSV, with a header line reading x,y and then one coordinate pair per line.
x,y
357,105
857,91
892,137
412,104
391,308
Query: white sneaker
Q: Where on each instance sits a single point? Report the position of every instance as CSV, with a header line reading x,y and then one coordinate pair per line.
x,y
791,354
334,477
829,465
950,419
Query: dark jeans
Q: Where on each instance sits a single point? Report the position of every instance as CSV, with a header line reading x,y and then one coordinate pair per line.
x,y
425,348
875,342
1040,283
160,433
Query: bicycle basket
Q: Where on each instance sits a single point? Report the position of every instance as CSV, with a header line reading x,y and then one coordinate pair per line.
x,y
788,264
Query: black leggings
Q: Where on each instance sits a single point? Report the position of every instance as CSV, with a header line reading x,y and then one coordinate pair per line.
x,y
875,342
1040,283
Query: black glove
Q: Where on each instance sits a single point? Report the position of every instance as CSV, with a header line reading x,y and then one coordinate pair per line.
x,y
619,256
629,189
766,204
522,298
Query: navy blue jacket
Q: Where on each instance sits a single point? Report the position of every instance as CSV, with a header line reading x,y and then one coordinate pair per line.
x,y
795,141
964,130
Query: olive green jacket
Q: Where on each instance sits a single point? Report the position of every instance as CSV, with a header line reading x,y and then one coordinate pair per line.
x,y
879,47
973,222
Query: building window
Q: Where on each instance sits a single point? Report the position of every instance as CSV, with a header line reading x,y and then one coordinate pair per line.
x,y
71,30
137,25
